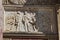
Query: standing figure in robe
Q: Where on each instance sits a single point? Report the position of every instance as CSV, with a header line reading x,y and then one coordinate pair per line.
x,y
20,27
29,21
33,21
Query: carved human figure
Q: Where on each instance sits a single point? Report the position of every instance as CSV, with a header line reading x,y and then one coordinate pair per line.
x,y
20,24
29,22
33,21
9,22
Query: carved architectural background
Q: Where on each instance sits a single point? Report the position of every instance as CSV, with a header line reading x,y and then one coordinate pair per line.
x,y
46,21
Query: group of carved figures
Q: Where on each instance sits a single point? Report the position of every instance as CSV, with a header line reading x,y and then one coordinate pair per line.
x,y
20,22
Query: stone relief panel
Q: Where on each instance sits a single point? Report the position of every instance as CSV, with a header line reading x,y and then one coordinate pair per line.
x,y
20,22
39,21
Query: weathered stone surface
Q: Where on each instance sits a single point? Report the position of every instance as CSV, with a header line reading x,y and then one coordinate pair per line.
x,y
1,20
46,21
30,2
59,23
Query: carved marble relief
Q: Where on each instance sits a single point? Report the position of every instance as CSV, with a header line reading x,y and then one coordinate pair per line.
x,y
9,21
20,22
39,21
